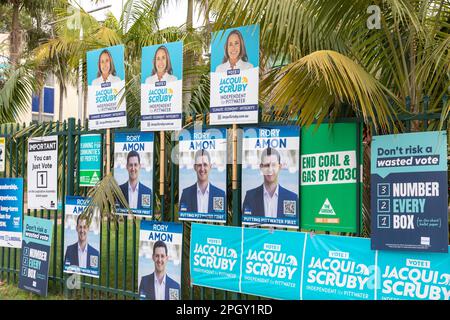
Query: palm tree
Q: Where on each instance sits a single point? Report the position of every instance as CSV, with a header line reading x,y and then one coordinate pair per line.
x,y
330,56
33,8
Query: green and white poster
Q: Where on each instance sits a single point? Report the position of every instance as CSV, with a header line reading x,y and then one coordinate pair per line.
x,y
90,159
331,196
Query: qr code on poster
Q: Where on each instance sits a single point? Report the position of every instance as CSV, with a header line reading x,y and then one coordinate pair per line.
x,y
174,294
218,203
289,207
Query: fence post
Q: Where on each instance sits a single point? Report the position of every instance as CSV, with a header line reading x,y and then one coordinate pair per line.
x,y
70,176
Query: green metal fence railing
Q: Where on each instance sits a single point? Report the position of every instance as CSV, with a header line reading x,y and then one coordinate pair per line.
x,y
119,238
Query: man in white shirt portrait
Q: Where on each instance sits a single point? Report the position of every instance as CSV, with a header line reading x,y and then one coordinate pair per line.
x,y
270,199
81,254
136,193
158,285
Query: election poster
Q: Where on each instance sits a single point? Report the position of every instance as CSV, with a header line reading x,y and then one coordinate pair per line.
x,y
42,173
338,268
90,159
272,263
270,176
215,257
203,175
2,154
413,275
35,257
161,87
409,194
81,238
11,205
160,258
106,85
133,171
330,188
234,75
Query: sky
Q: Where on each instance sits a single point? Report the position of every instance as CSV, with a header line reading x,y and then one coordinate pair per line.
x,y
173,15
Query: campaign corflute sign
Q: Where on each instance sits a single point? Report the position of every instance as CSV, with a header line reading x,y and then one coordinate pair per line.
x,y
35,257
11,210
409,185
234,75
162,86
106,85
42,173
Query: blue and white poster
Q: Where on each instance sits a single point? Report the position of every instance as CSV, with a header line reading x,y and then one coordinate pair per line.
x,y
336,267
160,258
234,75
133,171
413,276
203,175
272,263
11,204
35,257
270,176
161,87
409,184
81,238
106,85
215,257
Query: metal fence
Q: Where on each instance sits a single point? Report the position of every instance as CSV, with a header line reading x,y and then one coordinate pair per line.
x,y
119,238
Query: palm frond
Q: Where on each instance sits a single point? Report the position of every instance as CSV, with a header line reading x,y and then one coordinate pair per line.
x,y
15,92
316,83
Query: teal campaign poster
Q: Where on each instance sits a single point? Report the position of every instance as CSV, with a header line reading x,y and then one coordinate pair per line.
x,y
270,176
203,175
234,75
413,275
162,86
106,86
336,267
35,257
409,199
160,258
90,159
272,263
11,205
215,256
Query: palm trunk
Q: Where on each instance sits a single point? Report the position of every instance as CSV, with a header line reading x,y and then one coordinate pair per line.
x,y
189,56
15,35
61,100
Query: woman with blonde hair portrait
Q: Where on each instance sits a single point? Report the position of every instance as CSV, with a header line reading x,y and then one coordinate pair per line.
x,y
162,67
106,69
235,54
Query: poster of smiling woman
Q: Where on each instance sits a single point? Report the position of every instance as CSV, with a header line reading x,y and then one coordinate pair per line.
x,y
106,82
161,87
234,75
